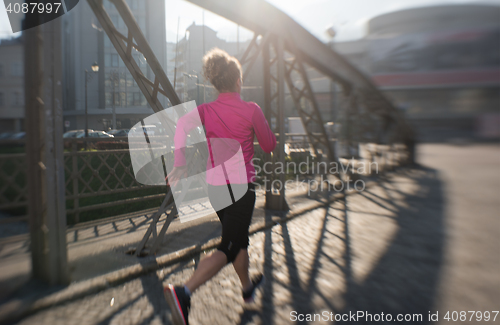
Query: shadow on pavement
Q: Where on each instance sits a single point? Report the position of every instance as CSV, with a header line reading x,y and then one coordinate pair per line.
x,y
324,260
406,278
403,280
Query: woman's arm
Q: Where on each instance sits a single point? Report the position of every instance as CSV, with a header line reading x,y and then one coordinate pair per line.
x,y
265,136
185,124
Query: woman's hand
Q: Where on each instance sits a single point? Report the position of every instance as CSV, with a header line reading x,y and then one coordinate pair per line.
x,y
176,175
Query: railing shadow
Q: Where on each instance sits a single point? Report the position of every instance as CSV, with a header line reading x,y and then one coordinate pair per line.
x,y
405,279
402,280
315,263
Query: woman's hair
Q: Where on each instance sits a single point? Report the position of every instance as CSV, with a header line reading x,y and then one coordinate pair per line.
x,y
221,69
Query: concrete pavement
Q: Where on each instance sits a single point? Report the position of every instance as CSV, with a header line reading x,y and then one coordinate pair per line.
x,y
424,240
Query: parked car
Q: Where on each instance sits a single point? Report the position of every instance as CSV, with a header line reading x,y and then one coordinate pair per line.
x,y
75,133
6,135
96,134
101,134
18,136
119,133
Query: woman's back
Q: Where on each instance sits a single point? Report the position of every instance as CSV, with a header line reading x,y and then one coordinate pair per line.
x,y
229,117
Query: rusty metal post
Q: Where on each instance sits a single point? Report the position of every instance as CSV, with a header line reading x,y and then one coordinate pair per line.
x,y
56,187
274,95
44,151
34,114
74,176
267,109
280,54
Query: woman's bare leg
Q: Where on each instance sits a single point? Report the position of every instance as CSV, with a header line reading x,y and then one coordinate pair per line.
x,y
240,265
208,267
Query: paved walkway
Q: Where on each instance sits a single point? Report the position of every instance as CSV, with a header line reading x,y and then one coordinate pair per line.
x,y
98,247
423,240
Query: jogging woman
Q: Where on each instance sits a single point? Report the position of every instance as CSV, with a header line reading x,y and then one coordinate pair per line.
x,y
228,117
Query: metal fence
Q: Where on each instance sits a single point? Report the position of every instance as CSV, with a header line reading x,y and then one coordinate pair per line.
x,y
99,180
13,185
94,179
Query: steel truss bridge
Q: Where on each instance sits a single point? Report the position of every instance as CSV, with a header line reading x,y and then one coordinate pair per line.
x,y
287,51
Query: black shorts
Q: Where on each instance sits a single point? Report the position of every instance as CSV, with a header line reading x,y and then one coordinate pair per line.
x,y
235,220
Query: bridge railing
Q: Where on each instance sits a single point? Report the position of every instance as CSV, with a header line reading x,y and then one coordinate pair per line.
x,y
13,185
97,181
101,183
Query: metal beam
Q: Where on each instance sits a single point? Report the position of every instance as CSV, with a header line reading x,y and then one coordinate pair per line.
x,y
150,89
262,17
44,151
280,120
257,49
274,110
143,45
123,46
280,33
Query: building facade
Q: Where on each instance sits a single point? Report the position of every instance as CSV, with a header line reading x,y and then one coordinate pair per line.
x,y
12,85
85,43
440,64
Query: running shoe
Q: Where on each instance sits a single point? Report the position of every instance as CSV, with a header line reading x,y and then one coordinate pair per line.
x,y
179,303
249,295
